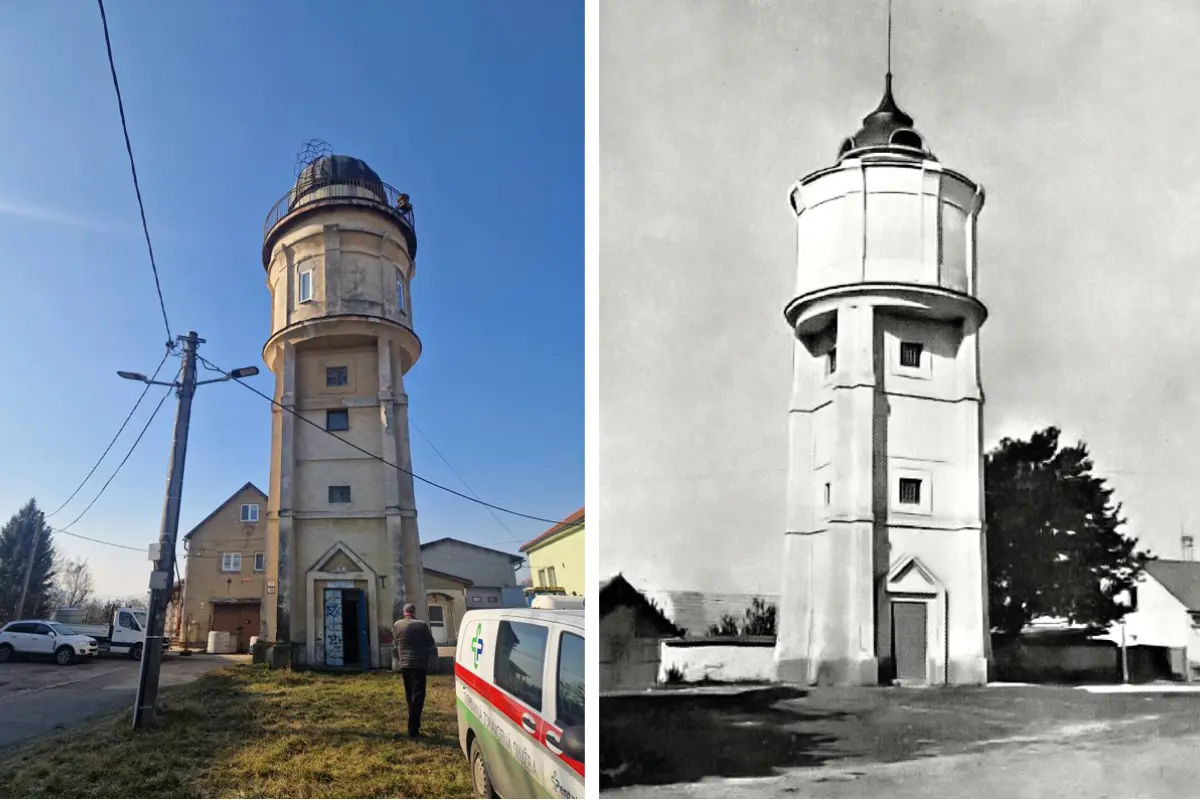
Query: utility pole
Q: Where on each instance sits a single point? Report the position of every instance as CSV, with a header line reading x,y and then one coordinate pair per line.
x,y
28,570
162,577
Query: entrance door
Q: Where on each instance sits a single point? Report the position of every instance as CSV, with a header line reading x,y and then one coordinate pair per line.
x,y
334,640
908,641
437,624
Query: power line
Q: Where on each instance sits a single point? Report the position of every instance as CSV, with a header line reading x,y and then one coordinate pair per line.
x,y
100,541
350,444
133,169
114,439
133,447
464,481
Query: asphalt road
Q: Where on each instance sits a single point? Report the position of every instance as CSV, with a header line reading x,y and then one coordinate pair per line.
x,y
38,698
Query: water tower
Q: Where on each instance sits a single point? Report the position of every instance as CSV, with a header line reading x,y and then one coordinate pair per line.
x,y
884,558
343,552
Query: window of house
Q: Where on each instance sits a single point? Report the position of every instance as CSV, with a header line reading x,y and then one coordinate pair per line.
x,y
828,493
476,599
910,491
260,562
910,354
551,576
831,361
520,661
249,512
337,419
231,562
571,662
437,615
339,494
304,288
400,295
542,578
492,600
1196,620
337,376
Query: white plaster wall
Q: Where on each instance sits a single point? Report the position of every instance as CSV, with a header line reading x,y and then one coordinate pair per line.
x,y
912,226
718,663
1160,620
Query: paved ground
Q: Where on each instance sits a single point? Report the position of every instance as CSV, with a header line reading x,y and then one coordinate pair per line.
x,y
37,698
982,742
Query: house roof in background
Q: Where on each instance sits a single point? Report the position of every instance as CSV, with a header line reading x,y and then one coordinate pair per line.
x,y
215,511
616,592
1180,578
572,521
514,558
695,611
448,576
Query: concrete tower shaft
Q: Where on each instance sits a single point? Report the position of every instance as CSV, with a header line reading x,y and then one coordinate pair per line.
x,y
883,553
339,253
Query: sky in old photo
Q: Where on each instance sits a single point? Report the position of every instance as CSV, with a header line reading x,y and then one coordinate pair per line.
x,y
1078,119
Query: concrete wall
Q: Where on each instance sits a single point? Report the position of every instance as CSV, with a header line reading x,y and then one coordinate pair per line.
x,y
565,553
224,533
482,568
722,662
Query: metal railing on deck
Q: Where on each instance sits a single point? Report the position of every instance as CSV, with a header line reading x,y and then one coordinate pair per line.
x,y
331,188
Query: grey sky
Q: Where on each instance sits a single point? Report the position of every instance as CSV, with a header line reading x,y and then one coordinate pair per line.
x,y
1079,118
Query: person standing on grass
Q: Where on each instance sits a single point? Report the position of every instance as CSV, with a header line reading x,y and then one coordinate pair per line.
x,y
414,646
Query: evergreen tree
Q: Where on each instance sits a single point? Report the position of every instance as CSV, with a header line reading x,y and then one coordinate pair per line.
x,y
17,538
1054,544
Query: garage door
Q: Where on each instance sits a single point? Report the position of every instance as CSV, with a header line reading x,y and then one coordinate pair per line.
x,y
240,621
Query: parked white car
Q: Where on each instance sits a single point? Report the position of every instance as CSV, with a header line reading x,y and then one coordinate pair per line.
x,y
519,681
44,638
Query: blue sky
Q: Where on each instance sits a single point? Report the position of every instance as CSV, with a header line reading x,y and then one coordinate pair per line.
x,y
474,109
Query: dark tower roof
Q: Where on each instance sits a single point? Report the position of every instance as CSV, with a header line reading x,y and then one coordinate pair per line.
x,y
886,130
328,170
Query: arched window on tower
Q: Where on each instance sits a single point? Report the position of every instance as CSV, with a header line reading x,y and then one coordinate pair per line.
x,y
907,138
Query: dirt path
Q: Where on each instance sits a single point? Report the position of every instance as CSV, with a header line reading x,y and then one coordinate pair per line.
x,y
1073,767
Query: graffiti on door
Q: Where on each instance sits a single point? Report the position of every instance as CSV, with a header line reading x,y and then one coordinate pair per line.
x,y
333,628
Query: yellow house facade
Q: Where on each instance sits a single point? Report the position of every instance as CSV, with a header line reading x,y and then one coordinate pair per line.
x,y
557,557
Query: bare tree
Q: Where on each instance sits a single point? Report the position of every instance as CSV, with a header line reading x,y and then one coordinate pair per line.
x,y
73,583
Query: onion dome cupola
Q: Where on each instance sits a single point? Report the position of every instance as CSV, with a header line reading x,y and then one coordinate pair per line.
x,y
886,131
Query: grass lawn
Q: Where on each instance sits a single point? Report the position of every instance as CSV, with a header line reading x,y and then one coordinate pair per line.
x,y
246,731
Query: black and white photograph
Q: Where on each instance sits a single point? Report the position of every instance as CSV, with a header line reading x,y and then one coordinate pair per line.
x,y
897,433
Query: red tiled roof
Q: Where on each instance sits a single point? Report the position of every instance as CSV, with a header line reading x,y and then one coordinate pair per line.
x,y
569,522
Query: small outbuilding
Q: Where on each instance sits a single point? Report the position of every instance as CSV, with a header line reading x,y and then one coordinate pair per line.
x,y
631,632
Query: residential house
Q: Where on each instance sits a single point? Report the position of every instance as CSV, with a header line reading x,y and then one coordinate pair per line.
x,y
557,557
226,561
492,573
1166,617
631,632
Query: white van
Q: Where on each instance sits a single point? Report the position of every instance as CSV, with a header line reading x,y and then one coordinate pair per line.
x,y
519,686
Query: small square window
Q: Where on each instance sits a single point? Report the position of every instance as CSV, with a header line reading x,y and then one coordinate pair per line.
x,y
260,562
910,491
337,376
250,512
910,354
304,288
400,296
339,494
493,600
337,419
831,361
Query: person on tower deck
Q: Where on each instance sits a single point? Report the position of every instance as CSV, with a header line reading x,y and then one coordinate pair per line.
x,y
414,647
